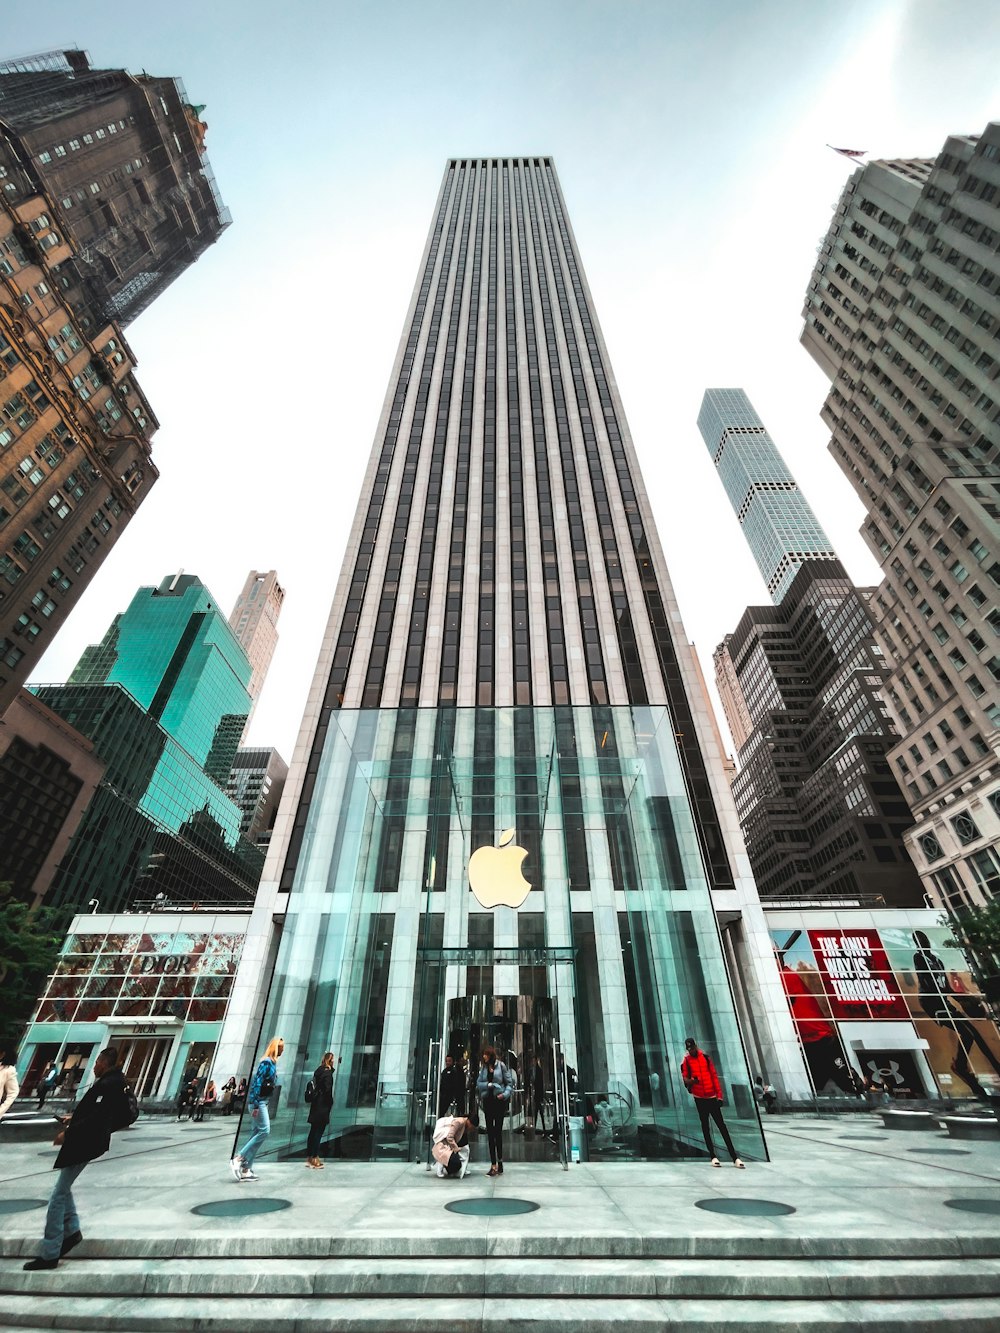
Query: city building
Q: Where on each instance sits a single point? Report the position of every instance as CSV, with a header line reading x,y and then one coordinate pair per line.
x,y
800,684
255,620
157,984
256,781
777,521
903,315
504,682
164,699
106,195
48,774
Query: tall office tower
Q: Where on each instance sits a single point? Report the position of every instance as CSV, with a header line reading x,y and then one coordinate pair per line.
x,y
255,620
505,664
903,315
821,813
105,196
164,699
122,159
781,529
48,774
256,781
734,706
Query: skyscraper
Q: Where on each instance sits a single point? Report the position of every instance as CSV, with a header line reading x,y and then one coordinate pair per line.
x,y
800,685
106,195
164,699
255,620
505,663
903,315
780,527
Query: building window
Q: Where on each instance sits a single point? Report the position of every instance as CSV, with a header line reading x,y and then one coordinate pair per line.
x,y
965,828
930,847
985,866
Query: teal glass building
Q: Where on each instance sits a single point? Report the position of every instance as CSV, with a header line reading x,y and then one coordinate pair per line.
x,y
505,684
164,698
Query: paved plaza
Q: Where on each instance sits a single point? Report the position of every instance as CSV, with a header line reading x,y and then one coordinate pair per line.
x,y
847,1224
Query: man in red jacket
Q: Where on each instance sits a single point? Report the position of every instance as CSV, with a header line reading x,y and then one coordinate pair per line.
x,y
702,1082
86,1134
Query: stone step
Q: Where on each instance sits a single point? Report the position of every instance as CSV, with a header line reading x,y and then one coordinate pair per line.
x,y
78,1279
266,1314
224,1245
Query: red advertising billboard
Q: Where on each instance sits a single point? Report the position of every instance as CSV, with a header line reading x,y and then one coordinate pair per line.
x,y
857,978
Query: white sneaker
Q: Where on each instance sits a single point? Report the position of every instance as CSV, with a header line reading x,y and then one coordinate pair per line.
x,y
716,1162
236,1166
247,1174
739,1165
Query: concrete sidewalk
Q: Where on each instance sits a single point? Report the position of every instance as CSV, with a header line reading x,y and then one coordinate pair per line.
x,y
896,1211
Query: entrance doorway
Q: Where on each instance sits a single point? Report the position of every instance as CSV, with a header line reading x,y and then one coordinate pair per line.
x,y
142,1062
521,1029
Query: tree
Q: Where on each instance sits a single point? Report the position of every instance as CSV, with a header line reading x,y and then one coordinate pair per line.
x,y
977,931
31,943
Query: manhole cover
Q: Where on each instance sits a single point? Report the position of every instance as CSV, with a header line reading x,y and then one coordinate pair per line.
x,y
868,1138
21,1205
482,1207
240,1207
991,1206
746,1207
942,1152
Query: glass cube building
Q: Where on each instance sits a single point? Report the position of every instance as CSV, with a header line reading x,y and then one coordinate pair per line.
x,y
505,683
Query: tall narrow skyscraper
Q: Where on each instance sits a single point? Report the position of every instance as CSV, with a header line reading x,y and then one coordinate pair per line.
x,y
506,819
777,521
254,619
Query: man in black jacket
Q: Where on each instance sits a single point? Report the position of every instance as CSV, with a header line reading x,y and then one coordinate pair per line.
x,y
86,1134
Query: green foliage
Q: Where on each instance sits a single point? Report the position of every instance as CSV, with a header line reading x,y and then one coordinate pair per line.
x,y
31,944
977,931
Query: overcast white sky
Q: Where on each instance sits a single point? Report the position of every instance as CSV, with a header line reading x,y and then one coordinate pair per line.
x,y
690,142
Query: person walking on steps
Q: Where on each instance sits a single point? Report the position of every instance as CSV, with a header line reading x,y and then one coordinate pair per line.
x,y
320,1106
702,1082
103,1109
258,1094
495,1086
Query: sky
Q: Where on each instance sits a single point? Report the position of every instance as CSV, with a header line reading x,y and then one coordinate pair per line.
x,y
690,140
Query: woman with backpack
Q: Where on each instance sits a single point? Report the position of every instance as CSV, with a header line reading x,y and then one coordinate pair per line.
x,y
319,1095
495,1087
258,1095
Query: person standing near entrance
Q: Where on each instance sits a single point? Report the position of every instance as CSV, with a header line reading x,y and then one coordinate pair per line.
x,y
9,1086
261,1087
102,1110
495,1087
46,1083
320,1107
702,1082
451,1089
537,1094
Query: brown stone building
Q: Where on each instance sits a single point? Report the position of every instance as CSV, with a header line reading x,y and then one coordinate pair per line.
x,y
105,197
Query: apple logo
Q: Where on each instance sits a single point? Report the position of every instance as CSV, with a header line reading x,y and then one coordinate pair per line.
x,y
495,873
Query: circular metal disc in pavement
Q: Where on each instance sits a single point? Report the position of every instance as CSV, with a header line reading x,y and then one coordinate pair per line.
x,y
21,1205
242,1207
868,1138
495,1207
991,1206
746,1207
942,1152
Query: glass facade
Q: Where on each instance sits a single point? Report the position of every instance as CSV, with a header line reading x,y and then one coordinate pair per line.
x,y
387,958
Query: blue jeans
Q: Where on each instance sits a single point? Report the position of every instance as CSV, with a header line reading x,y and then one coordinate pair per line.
x,y
263,1122
62,1219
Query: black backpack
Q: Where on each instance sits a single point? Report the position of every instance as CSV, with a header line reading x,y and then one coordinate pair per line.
x,y
130,1110
310,1091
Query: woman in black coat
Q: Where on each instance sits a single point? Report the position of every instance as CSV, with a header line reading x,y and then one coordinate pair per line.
x,y
319,1109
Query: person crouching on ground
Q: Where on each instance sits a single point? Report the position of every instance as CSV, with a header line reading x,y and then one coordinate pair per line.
x,y
258,1095
702,1082
103,1109
450,1148
319,1109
